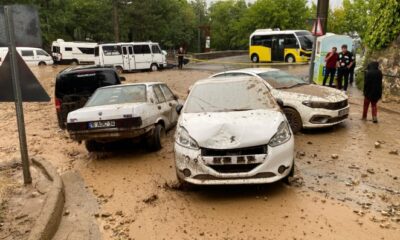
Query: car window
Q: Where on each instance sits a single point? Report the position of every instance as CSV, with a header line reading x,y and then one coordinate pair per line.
x,y
27,53
222,96
130,49
41,53
84,83
84,50
118,95
155,49
112,50
159,95
68,49
56,49
141,49
281,79
167,92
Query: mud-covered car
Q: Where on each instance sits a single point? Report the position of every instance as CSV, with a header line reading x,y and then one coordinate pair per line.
x,y
305,105
142,110
232,131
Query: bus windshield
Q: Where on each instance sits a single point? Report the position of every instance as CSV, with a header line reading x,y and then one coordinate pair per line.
x,y
306,40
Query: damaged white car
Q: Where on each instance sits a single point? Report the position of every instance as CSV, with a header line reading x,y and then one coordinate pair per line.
x,y
142,110
305,105
232,132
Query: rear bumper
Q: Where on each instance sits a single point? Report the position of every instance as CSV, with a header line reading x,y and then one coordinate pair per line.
x,y
109,134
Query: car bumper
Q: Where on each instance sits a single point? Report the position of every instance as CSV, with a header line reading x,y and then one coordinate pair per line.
x,y
318,118
109,134
265,168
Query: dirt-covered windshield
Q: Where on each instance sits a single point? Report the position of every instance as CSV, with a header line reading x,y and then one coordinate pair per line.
x,y
223,96
118,95
281,79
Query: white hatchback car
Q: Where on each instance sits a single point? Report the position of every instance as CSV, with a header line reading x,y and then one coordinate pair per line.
x,y
232,132
305,105
127,111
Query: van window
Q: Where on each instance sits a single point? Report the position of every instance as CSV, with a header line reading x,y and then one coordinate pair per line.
x,y
84,83
141,49
130,49
262,40
68,49
112,50
86,50
290,41
55,49
124,51
159,95
41,53
96,51
27,53
155,49
167,92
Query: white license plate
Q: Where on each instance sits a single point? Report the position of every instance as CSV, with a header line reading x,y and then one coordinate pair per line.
x,y
101,124
343,112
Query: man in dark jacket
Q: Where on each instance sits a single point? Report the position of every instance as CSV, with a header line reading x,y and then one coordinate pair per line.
x,y
372,90
345,62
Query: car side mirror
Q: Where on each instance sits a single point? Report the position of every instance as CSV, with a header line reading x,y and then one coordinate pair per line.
x,y
164,52
179,108
279,102
122,78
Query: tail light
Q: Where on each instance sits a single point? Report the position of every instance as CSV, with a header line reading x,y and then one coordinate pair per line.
x,y
58,104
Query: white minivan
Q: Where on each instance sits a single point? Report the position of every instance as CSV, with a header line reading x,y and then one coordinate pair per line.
x,y
131,56
73,52
32,56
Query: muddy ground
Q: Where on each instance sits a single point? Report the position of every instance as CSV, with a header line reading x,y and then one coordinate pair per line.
x,y
346,184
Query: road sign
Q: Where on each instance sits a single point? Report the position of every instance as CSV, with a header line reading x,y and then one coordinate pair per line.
x,y
317,28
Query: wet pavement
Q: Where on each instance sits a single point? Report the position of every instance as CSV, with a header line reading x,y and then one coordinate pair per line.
x,y
346,184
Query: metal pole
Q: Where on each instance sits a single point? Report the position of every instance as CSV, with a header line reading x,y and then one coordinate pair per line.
x,y
311,72
17,94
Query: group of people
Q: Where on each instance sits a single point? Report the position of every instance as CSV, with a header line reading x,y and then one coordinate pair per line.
x,y
344,64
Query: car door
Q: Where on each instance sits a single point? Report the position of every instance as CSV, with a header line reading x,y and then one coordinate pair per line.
x,y
171,101
28,56
143,56
126,58
278,48
164,110
157,55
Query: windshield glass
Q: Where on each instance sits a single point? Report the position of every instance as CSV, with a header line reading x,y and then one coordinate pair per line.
x,y
222,96
118,95
281,79
306,40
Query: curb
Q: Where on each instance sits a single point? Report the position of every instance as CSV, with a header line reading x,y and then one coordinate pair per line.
x,y
49,219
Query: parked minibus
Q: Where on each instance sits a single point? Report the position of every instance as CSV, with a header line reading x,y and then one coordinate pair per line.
x,y
267,45
73,52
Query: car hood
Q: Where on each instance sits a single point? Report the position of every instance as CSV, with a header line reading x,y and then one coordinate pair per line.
x,y
105,112
227,130
315,93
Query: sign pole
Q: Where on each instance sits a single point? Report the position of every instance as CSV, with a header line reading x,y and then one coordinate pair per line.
x,y
17,94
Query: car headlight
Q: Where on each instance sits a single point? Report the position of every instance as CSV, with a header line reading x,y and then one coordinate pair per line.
x,y
183,138
282,135
312,104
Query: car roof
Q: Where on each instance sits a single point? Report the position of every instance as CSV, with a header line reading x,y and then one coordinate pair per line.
x,y
251,70
133,84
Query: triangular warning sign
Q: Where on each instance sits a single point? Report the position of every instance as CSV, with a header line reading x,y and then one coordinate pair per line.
x,y
317,28
31,90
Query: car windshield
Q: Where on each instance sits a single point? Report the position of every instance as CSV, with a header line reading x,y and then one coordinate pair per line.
x,y
118,95
222,96
281,79
306,40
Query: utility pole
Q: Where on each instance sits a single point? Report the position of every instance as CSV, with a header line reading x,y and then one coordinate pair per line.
x,y
115,20
322,15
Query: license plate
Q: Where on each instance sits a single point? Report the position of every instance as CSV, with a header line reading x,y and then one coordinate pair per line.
x,y
343,112
101,124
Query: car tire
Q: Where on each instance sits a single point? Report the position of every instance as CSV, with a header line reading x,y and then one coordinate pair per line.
x,y
255,58
155,139
93,146
286,179
294,119
41,64
154,67
74,62
290,59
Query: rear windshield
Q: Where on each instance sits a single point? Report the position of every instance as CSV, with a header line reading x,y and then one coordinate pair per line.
x,y
229,96
84,83
118,95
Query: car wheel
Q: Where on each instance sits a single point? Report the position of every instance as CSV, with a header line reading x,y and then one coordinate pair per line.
x,y
154,67
93,146
155,140
41,64
119,69
286,179
254,58
294,119
290,58
74,62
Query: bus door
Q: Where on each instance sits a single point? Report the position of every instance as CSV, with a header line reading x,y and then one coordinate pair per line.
x,y
128,58
278,48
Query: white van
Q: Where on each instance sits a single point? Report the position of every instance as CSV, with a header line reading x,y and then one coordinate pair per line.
x,y
32,56
131,56
73,52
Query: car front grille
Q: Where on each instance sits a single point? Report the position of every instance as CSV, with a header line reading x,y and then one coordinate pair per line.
x,y
337,105
234,168
263,149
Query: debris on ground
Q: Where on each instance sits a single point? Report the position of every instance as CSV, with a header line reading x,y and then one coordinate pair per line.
x,y
151,199
334,156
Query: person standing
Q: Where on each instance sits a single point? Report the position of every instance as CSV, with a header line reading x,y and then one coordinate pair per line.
x,y
372,90
330,68
345,62
181,54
